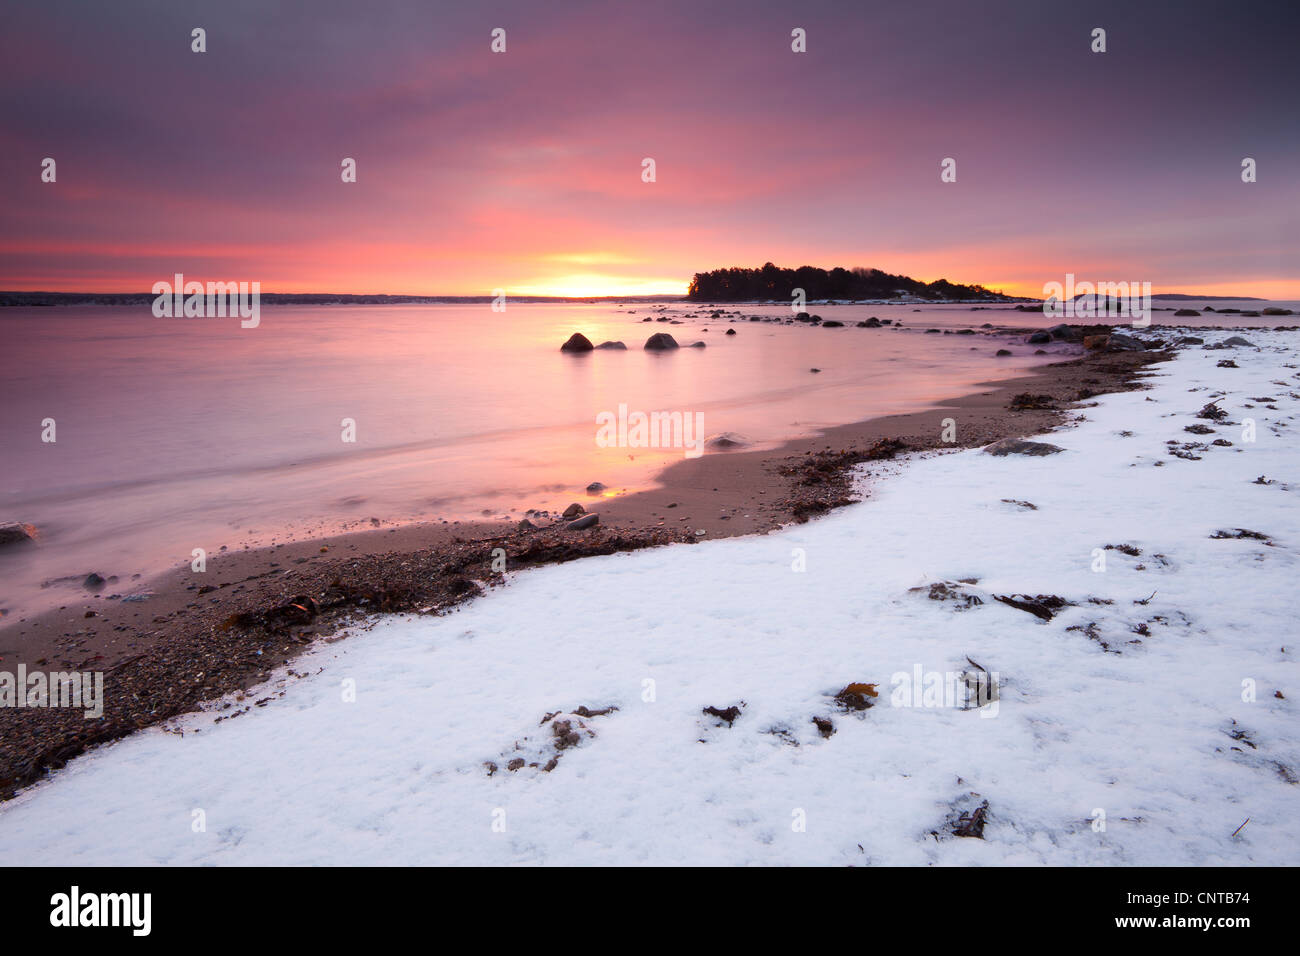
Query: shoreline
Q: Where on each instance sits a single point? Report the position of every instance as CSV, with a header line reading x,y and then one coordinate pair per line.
x,y
199,637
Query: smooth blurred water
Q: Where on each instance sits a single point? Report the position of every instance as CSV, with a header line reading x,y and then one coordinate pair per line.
x,y
174,434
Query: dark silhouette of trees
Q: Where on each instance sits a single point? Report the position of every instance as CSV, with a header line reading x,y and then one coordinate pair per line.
x,y
772,282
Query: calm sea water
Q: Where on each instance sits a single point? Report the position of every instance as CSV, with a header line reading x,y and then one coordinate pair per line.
x,y
175,434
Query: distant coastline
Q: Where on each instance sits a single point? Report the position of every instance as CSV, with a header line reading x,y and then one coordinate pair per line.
x,y
1183,297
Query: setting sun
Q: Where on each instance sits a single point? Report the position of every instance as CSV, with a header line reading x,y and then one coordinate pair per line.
x,y
599,286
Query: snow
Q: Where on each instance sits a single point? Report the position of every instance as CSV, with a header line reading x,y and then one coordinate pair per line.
x,y
1144,735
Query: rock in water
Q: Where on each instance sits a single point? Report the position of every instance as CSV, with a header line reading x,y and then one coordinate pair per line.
x,y
731,331
595,488
577,343
1039,338
725,441
660,341
93,582
1018,446
15,532
612,345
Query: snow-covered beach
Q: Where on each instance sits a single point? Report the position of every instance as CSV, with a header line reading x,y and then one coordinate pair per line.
x,y
1144,723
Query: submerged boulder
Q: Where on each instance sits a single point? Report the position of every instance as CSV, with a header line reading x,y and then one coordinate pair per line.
x,y
612,345
15,532
577,343
724,441
660,341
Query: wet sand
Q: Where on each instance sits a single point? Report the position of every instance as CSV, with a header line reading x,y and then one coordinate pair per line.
x,y
200,636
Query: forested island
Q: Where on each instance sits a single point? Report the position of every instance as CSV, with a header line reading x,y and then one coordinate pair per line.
x,y
771,282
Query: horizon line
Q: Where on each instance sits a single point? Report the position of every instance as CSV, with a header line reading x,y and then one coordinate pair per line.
x,y
578,298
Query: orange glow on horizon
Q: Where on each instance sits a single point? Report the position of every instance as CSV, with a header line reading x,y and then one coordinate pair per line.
x,y
662,265
601,286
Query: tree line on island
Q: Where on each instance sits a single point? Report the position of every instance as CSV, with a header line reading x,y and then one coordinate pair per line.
x,y
775,283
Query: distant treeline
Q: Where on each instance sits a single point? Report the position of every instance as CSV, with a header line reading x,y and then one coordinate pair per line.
x,y
773,282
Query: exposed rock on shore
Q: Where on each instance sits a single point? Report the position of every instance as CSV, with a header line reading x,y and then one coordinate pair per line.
x,y
1018,446
1118,341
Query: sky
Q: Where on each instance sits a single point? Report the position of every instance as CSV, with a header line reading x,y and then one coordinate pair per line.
x,y
522,170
